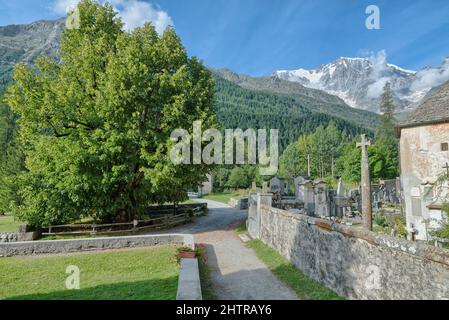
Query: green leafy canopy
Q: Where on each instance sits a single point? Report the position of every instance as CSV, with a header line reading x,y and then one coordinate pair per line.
x,y
96,126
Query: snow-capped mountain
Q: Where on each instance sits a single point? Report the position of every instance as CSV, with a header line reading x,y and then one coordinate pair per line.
x,y
359,81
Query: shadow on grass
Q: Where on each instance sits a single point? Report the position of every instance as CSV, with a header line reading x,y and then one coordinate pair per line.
x,y
158,289
205,270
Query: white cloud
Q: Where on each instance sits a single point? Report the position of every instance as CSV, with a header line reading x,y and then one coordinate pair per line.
x,y
376,89
379,62
134,13
425,80
379,66
61,6
431,77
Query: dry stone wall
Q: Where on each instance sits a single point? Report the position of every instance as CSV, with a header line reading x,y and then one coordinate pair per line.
x,y
355,263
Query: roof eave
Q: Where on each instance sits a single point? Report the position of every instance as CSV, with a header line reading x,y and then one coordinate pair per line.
x,y
418,124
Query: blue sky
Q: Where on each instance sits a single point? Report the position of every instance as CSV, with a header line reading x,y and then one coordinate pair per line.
x,y
258,36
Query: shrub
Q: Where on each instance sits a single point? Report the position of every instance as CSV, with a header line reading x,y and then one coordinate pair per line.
x,y
380,221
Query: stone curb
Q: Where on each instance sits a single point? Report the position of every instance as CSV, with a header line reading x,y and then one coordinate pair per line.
x,y
92,244
189,285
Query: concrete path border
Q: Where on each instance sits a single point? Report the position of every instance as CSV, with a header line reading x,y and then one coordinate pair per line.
x,y
189,285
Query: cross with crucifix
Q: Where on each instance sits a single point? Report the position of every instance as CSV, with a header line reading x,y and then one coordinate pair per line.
x,y
366,184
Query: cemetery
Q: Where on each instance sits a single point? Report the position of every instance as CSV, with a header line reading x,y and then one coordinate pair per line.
x,y
115,181
344,205
354,262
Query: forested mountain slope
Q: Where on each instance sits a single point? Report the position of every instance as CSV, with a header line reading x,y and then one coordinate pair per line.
x,y
239,107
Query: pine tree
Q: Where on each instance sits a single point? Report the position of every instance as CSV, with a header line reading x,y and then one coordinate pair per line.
x,y
385,162
387,108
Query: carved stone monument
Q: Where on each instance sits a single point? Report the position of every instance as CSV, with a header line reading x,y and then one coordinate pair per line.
x,y
367,210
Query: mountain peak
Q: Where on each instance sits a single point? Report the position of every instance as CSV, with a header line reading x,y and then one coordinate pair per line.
x,y
359,81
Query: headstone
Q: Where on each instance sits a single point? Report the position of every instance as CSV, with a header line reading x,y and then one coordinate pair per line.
x,y
322,203
307,190
298,183
341,201
355,195
277,185
376,201
254,187
340,192
264,187
367,210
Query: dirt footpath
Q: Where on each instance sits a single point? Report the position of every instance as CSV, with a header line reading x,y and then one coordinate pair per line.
x,y
236,271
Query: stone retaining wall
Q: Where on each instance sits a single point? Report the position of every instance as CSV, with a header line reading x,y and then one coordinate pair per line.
x,y
355,263
89,244
8,237
241,204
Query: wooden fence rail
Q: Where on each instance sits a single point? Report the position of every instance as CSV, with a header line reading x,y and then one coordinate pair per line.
x,y
110,228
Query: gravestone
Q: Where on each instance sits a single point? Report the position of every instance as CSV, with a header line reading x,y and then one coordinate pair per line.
x,y
376,201
308,193
277,185
321,197
264,187
341,201
340,192
254,187
355,196
298,183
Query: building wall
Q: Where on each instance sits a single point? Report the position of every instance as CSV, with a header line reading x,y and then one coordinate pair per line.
x,y
355,263
207,187
422,162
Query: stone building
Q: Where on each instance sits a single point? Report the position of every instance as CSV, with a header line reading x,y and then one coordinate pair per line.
x,y
207,187
424,158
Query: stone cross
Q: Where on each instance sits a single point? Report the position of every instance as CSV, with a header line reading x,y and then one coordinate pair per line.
x,y
367,210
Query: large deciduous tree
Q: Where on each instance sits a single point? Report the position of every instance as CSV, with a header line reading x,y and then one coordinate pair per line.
x,y
11,158
96,126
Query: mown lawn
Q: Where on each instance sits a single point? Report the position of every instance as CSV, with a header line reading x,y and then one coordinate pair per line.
x,y
133,274
304,287
8,224
224,196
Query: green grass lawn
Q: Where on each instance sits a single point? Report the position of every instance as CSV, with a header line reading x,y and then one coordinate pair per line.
x,y
134,274
207,289
8,224
241,228
225,196
304,287
190,201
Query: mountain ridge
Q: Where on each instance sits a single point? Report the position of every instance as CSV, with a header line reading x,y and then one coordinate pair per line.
x,y
318,101
359,81
25,42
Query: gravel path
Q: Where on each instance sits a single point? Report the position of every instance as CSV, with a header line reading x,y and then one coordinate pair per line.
x,y
236,271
